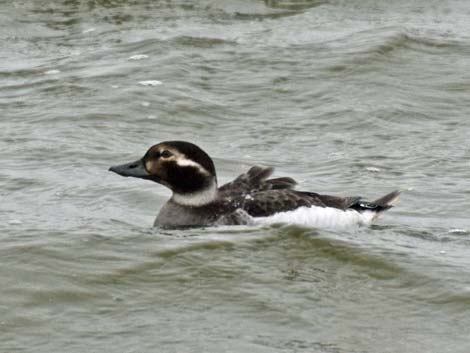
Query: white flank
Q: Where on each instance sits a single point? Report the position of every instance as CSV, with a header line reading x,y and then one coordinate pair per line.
x,y
320,217
195,199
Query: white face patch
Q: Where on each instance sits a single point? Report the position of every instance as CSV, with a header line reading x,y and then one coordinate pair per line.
x,y
181,160
198,198
149,165
184,162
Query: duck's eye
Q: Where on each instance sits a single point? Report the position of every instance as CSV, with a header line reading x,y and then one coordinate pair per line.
x,y
165,154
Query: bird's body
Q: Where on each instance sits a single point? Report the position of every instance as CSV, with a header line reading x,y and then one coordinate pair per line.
x,y
197,200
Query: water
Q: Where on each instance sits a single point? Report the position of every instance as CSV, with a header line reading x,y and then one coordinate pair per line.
x,y
347,97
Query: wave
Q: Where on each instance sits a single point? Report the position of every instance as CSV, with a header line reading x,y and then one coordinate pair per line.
x,y
381,44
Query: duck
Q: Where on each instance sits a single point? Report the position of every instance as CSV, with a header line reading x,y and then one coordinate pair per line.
x,y
198,201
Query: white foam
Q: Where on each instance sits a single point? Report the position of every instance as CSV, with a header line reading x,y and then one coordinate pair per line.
x,y
458,231
138,57
150,83
320,217
52,72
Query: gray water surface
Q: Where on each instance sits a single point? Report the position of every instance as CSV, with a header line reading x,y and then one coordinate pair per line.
x,y
347,97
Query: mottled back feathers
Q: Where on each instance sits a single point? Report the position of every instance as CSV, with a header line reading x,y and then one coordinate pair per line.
x,y
259,196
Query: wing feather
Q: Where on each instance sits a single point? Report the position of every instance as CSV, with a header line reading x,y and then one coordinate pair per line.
x,y
256,180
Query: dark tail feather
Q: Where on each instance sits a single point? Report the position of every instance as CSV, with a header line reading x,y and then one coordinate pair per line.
x,y
387,201
377,206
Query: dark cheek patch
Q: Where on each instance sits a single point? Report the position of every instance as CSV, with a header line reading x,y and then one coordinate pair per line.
x,y
185,179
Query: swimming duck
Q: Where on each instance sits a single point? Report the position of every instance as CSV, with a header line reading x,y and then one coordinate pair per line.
x,y
198,201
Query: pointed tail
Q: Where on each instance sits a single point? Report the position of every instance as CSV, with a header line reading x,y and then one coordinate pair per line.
x,y
387,201
378,206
